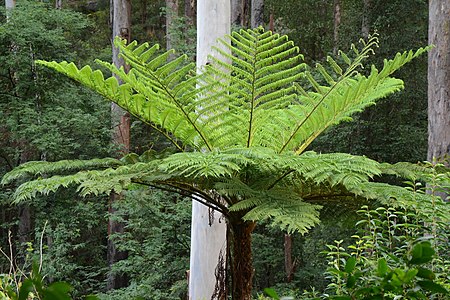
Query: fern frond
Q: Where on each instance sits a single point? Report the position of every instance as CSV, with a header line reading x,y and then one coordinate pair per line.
x,y
260,78
160,93
350,93
203,165
286,211
39,168
391,195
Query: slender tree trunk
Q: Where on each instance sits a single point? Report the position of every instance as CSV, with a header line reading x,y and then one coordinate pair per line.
x,y
257,13
171,14
365,27
189,11
24,211
242,261
289,263
236,12
271,22
121,25
337,24
58,4
439,80
208,231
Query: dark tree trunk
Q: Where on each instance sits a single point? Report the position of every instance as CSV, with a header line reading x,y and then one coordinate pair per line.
x,y
241,262
24,224
289,263
257,13
236,12
118,280
189,11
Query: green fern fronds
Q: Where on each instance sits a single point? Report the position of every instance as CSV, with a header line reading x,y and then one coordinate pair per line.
x,y
249,116
40,168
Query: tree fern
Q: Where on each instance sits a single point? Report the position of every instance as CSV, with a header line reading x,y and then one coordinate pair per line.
x,y
250,115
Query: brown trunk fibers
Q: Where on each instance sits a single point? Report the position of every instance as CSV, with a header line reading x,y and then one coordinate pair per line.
x,y
241,264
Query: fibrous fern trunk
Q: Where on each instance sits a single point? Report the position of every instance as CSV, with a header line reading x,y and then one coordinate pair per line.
x,y
241,262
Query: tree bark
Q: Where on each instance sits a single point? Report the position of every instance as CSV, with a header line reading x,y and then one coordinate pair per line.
x,y
239,11
365,27
257,13
120,120
10,4
337,23
171,14
208,231
289,263
236,12
438,80
189,11
242,262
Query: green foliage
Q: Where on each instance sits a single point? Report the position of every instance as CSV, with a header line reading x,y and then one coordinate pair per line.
x,y
46,118
157,240
33,287
399,251
250,119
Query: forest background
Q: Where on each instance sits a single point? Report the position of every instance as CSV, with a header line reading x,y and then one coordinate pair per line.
x,y
51,118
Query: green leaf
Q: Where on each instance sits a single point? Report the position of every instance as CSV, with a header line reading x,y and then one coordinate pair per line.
x,y
271,293
57,291
382,268
426,274
421,253
350,264
351,281
432,287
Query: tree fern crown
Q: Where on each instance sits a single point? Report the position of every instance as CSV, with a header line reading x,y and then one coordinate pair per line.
x,y
249,116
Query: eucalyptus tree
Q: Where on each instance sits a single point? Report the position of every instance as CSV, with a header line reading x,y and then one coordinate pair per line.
x,y
242,129
120,121
438,78
208,234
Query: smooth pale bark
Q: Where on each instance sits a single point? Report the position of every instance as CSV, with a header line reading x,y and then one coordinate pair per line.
x,y
171,14
337,24
120,120
365,27
439,80
257,13
10,4
208,228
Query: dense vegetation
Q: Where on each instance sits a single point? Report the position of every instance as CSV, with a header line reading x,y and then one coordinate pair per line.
x,y
50,118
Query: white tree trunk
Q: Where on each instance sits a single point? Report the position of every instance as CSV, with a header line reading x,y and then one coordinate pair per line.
x,y
337,24
208,239
9,4
365,27
439,80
